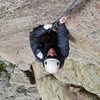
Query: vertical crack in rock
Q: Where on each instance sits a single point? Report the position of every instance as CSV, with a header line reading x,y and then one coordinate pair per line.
x,y
58,97
30,75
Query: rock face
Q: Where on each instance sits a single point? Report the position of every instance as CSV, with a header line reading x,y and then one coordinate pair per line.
x,y
15,84
87,76
17,18
81,68
59,87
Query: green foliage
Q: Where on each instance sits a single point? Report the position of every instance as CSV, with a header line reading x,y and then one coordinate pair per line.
x,y
2,65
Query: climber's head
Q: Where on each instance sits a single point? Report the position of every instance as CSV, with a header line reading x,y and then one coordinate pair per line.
x,y
51,62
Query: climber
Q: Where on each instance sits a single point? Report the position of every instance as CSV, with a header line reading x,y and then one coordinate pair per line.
x,y
50,46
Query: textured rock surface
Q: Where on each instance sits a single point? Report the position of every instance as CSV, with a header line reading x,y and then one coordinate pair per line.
x,y
87,76
15,84
50,88
18,17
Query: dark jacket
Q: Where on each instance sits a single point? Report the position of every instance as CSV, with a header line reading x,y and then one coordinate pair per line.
x,y
42,39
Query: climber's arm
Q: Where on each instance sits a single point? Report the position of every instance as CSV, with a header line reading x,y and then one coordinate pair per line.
x,y
35,40
34,43
63,40
40,30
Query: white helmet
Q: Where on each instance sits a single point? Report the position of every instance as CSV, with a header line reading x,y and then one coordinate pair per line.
x,y
51,65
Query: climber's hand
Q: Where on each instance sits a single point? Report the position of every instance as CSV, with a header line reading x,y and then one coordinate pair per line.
x,y
63,20
47,26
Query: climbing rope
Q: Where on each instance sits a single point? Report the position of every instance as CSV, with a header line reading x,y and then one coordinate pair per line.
x,y
66,11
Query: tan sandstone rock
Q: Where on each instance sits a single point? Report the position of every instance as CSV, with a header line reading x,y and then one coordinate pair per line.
x,y
82,67
52,88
